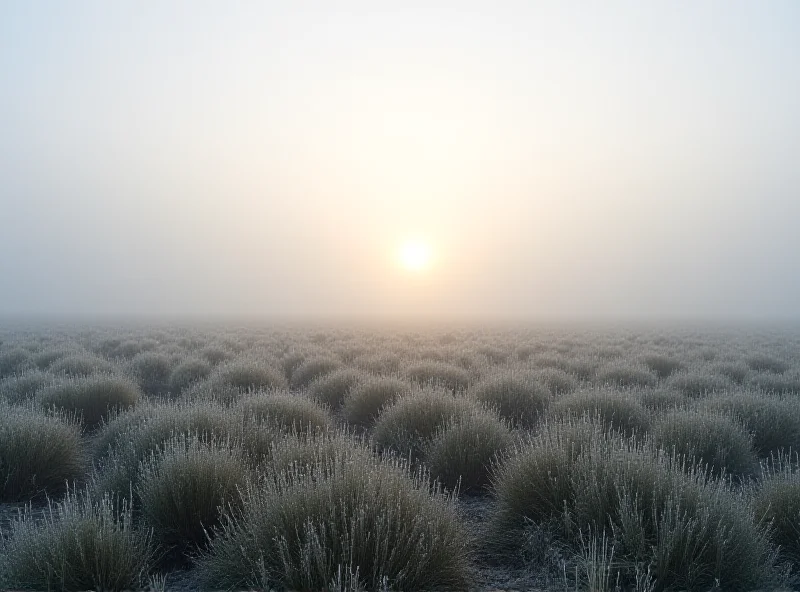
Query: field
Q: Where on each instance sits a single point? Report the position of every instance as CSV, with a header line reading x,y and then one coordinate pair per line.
x,y
176,457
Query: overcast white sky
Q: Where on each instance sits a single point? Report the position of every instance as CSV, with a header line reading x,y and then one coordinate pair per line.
x,y
561,159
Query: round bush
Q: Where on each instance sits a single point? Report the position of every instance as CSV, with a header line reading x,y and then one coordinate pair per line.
x,y
82,544
617,410
783,384
188,373
695,384
93,398
285,411
38,454
151,371
13,361
23,387
369,524
716,439
439,373
81,365
311,369
626,376
331,389
662,365
462,452
662,399
766,363
558,381
406,426
184,487
365,401
519,399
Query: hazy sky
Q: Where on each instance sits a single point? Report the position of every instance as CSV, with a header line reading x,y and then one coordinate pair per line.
x,y
559,159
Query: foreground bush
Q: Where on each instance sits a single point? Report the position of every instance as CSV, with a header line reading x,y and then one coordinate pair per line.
x,y
82,544
184,487
311,369
463,450
408,425
331,389
777,502
692,534
23,387
370,523
519,399
718,440
92,398
363,404
38,453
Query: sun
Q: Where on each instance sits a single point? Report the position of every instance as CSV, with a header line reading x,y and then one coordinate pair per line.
x,y
415,255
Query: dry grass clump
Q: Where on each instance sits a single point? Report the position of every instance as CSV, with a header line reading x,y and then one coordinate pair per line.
x,y
152,372
614,409
782,384
365,401
777,503
663,365
284,411
216,355
19,388
316,450
312,369
13,361
367,523
186,374
698,383
228,382
659,399
626,376
766,363
690,533
38,453
461,453
332,389
44,359
184,487
714,439
91,398
520,399
557,381
82,544
438,373
379,363
735,371
81,365
773,422
412,421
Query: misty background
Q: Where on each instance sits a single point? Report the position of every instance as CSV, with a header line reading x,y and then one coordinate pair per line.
x,y
563,160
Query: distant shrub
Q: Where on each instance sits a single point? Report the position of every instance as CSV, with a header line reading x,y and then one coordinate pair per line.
x,y
718,440
766,363
92,398
662,365
290,361
285,411
773,422
691,533
734,371
332,389
662,399
378,363
519,399
44,359
186,374
439,373
152,372
695,384
364,402
782,384
777,502
614,409
626,376
215,355
316,451
38,453
184,488
227,383
558,381
369,524
463,450
80,365
311,369
81,544
13,361
19,388
412,421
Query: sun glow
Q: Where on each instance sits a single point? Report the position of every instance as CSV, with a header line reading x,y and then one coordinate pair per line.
x,y
415,255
